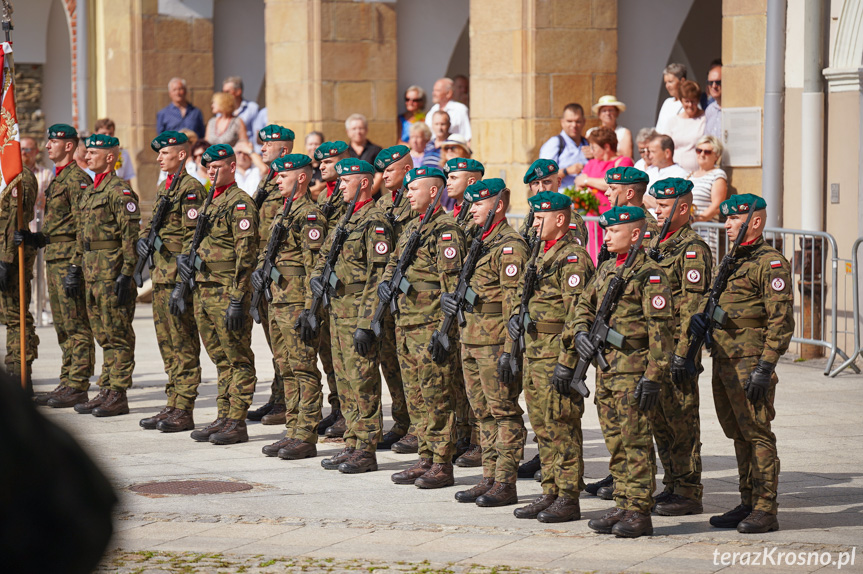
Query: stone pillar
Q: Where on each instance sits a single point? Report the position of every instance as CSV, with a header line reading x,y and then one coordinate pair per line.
x,y
528,59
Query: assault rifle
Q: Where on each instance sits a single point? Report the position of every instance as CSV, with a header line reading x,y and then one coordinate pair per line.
x,y
529,237
261,194
524,320
329,207
154,243
463,213
604,255
654,249
397,201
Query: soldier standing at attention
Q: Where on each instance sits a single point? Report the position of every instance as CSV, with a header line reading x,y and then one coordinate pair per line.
x,y
58,237
434,268
305,231
461,173
177,336
359,269
542,175
758,300
484,356
225,261
110,224
277,141
563,270
628,392
688,264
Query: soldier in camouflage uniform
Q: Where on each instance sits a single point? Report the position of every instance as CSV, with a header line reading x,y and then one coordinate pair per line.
x,y
563,270
759,302
225,260
688,264
358,269
177,336
305,231
484,356
628,392
277,141
542,175
435,268
58,237
110,224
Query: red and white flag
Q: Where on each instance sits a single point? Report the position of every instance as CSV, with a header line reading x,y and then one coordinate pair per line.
x,y
10,146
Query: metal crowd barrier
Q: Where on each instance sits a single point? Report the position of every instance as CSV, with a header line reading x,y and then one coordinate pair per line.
x,y
855,290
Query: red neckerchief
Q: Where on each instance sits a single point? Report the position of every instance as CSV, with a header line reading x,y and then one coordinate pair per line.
x,y
331,187
100,177
667,235
457,209
621,258
361,204
423,214
394,192
549,244
168,181
57,170
221,189
487,233
745,243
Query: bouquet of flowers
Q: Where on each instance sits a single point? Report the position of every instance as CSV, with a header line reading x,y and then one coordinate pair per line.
x,y
584,201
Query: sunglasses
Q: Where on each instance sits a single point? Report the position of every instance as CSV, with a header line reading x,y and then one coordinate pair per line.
x,y
413,100
701,151
714,83
27,149
643,150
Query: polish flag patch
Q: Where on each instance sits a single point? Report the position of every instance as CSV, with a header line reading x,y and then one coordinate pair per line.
x,y
446,237
655,279
775,264
572,258
127,192
311,217
191,197
507,250
647,235
241,206
691,255
380,230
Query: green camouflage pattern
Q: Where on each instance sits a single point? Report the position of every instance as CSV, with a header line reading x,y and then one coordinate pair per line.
x,y
180,347
72,326
335,199
62,211
177,229
653,229
325,354
112,328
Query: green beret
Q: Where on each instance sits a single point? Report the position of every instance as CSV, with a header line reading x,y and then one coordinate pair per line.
x,y
390,156
291,162
737,204
274,133
625,174
484,189
62,132
421,172
463,164
621,214
549,201
169,138
215,153
353,166
540,169
330,149
101,141
670,188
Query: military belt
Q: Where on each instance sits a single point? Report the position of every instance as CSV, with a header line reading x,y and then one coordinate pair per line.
x,y
488,308
638,344
291,271
172,247
219,265
59,238
100,245
548,327
350,289
425,286
732,324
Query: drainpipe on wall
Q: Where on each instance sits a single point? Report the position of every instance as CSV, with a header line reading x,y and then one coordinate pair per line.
x,y
812,128
773,163
83,61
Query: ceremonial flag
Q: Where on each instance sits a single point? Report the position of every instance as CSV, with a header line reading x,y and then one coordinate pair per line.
x,y
10,146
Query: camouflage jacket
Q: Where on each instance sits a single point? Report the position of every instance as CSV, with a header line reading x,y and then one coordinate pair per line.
x,y
229,249
688,264
644,315
434,269
269,202
360,265
496,281
110,225
178,226
9,217
62,212
652,230
760,304
403,214
305,233
340,207
576,226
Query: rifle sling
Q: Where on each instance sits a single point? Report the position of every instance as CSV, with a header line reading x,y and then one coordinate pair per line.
x,y
291,270
488,308
548,327
349,289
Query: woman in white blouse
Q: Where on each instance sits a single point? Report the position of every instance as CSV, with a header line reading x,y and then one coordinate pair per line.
x,y
687,127
710,188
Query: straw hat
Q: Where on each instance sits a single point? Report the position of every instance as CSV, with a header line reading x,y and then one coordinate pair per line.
x,y
608,101
458,140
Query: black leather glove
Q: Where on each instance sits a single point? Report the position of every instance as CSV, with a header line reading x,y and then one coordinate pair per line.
x,y
36,240
234,315
561,378
699,324
185,268
384,291
123,289
303,326
758,384
438,353
73,282
317,286
448,304
364,340
513,327
5,269
504,371
142,249
647,393
680,376
584,346
257,279
174,301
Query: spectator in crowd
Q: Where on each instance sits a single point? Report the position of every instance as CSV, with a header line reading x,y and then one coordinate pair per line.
x,y
359,145
440,129
641,140
313,141
661,159
688,126
180,113
198,171
243,109
123,168
603,144
713,111
608,109
259,123
568,147
442,94
461,89
415,105
420,136
248,175
81,154
672,75
710,188
225,127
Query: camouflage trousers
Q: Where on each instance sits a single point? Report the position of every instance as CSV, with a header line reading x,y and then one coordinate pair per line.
x,y
501,429
556,421
11,305
231,351
274,339
112,328
465,421
748,425
180,348
325,352
390,365
429,393
73,329
298,365
629,440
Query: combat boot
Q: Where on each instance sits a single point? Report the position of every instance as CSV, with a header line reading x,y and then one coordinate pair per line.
x,y
472,494
438,476
676,505
501,494
87,407
758,522
632,525
42,399
410,474
297,450
361,461
606,492
661,498
338,428
68,397
472,458
203,435
604,524
275,416
409,444
115,404
232,432
388,440
594,486
564,509
731,518
537,476
273,449
529,468
178,421
533,509
150,423
262,411
329,420
333,462
462,445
